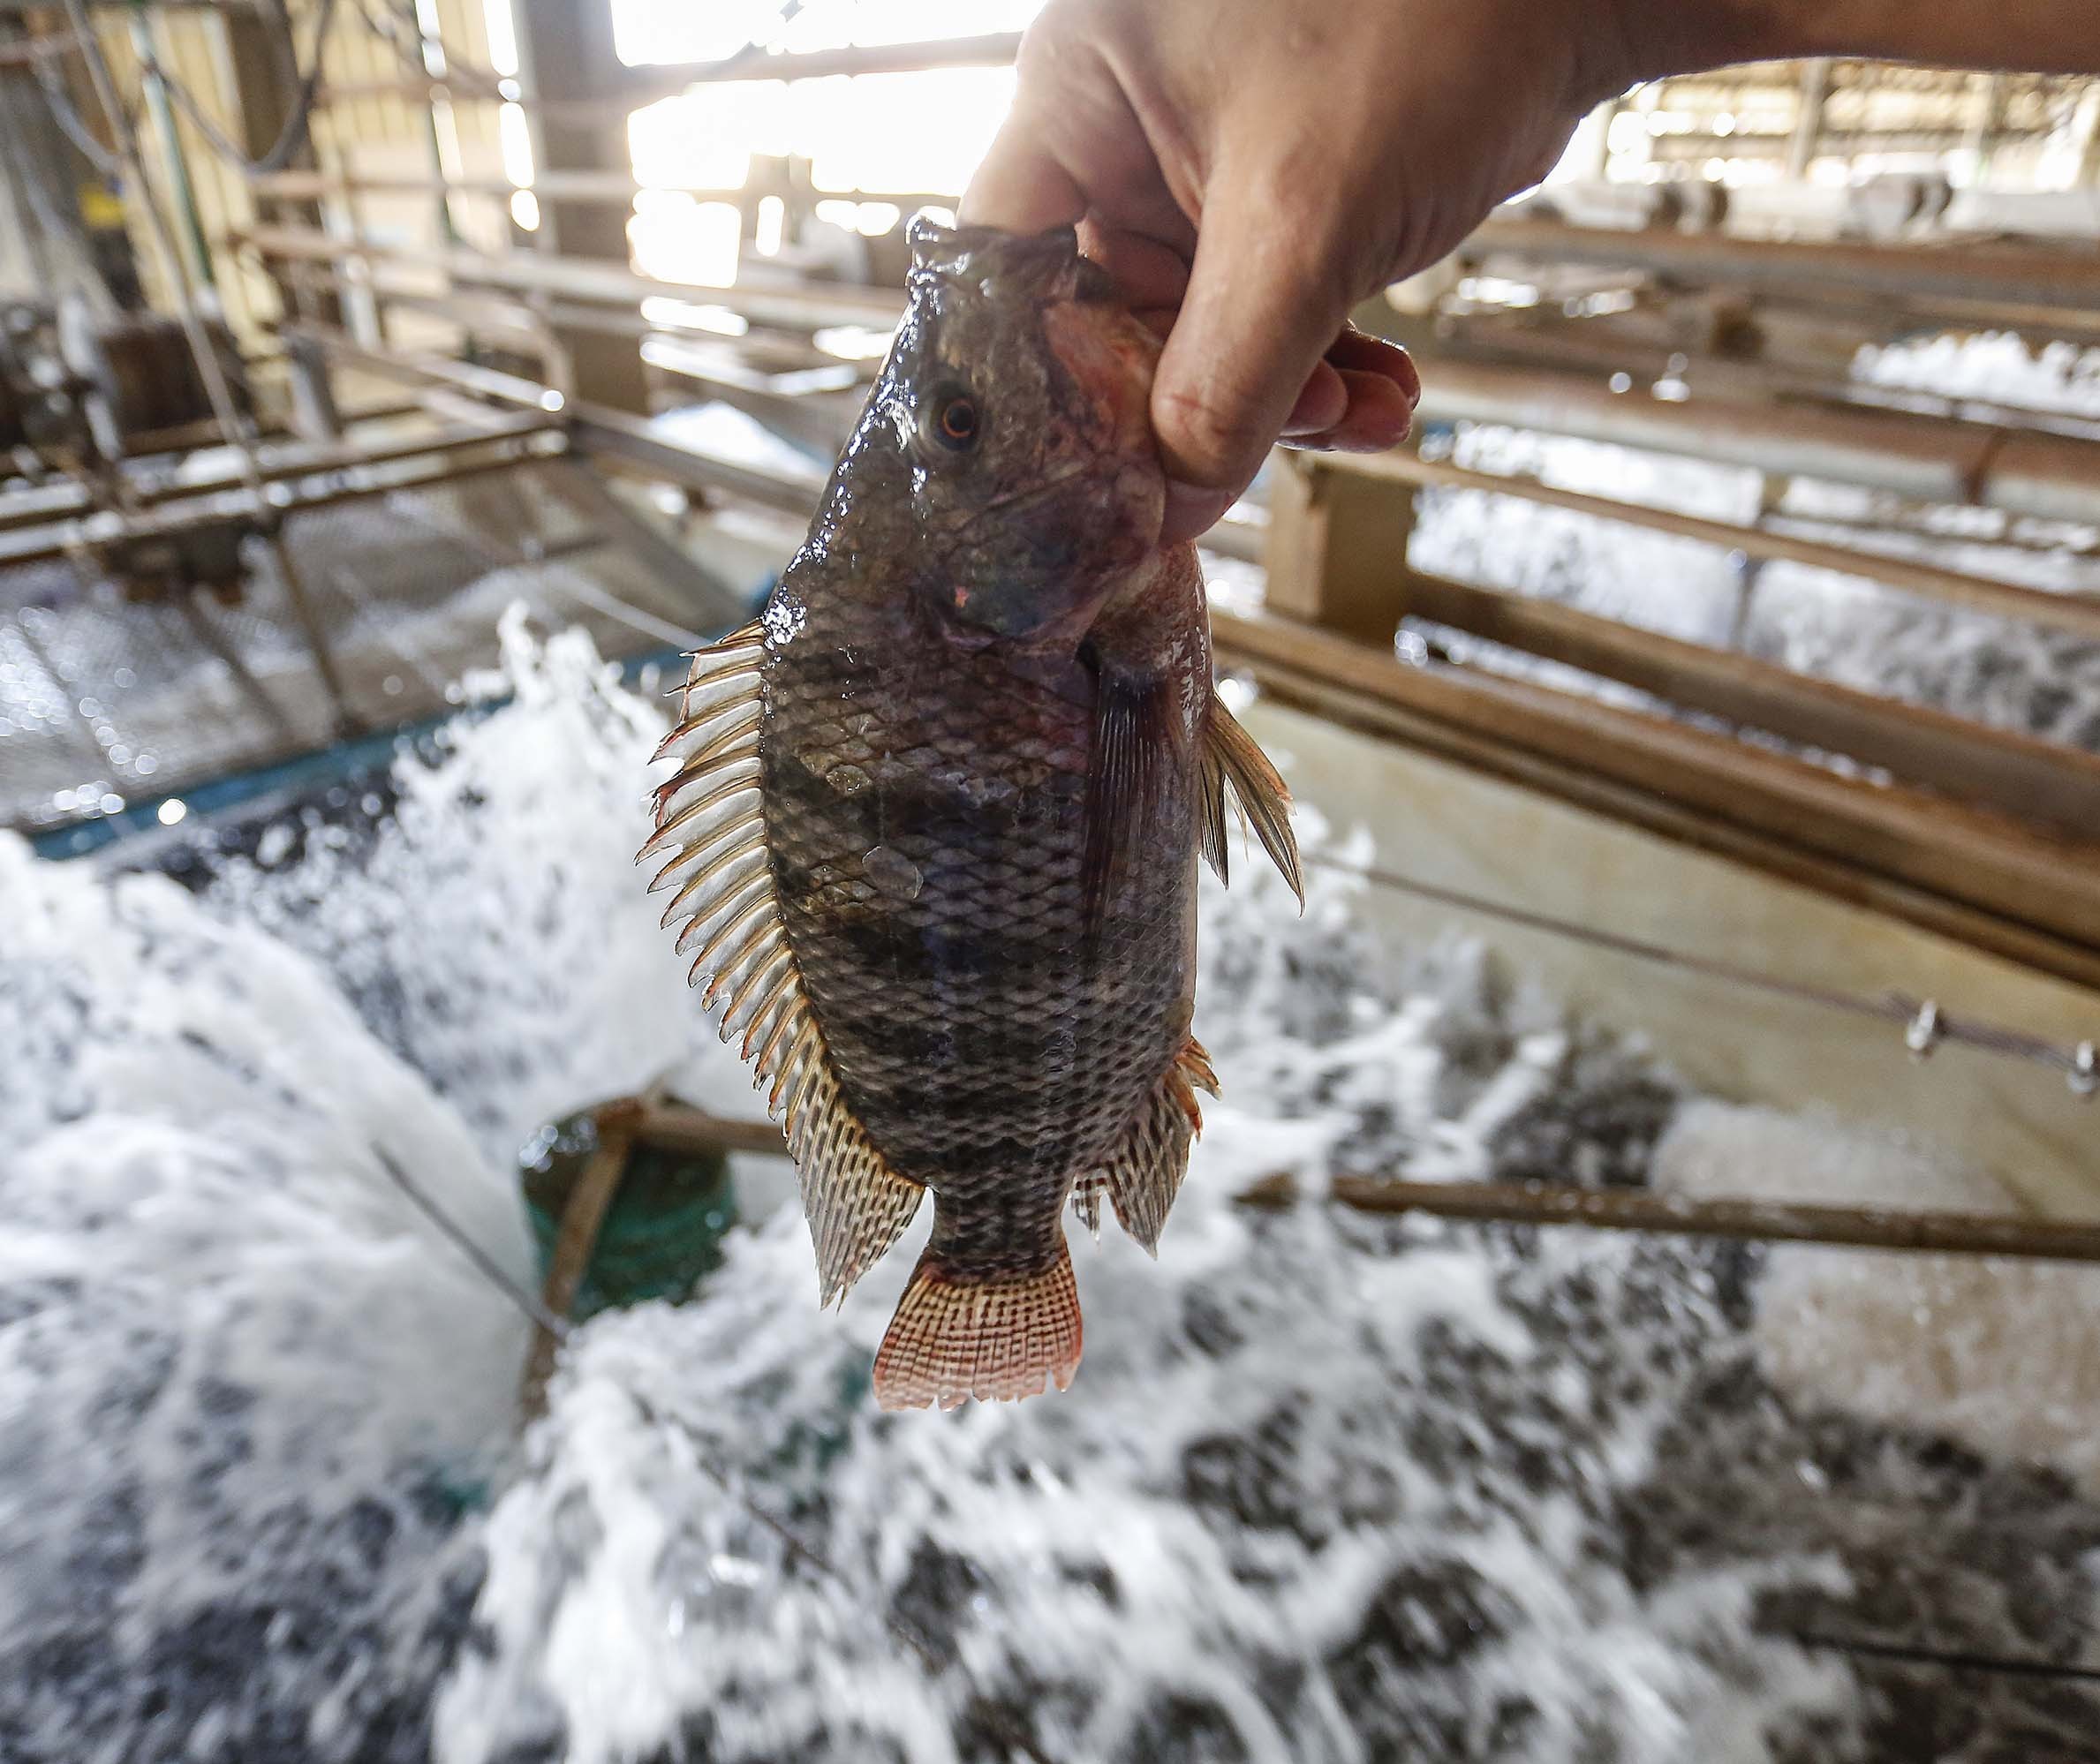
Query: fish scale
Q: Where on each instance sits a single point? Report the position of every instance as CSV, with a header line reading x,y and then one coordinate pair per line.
x,y
939,813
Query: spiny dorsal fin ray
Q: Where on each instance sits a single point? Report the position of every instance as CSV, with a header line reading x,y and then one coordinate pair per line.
x,y
1143,1174
710,816
1230,755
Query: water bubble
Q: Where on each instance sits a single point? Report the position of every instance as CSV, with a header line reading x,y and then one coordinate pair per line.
x,y
894,873
846,779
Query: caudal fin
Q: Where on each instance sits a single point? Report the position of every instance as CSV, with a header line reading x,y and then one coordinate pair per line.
x,y
955,1338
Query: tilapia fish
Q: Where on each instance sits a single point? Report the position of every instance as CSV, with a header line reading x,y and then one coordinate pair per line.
x,y
935,829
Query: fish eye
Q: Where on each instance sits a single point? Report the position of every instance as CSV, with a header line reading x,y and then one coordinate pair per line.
x,y
956,420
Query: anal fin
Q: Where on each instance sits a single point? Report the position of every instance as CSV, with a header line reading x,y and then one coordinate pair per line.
x,y
955,1338
1230,755
856,1204
1145,1173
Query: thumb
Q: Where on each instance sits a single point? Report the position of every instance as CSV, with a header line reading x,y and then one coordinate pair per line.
x,y
1267,294
1020,184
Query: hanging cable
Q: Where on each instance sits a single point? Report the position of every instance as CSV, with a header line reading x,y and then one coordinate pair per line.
x,y
414,54
210,370
292,136
1923,1022
70,125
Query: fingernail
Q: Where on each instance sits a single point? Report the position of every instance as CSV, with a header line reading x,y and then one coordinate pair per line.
x,y
1192,509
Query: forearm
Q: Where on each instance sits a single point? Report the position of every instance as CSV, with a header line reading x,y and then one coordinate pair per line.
x,y
2041,36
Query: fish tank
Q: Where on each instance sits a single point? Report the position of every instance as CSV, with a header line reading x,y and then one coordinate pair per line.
x,y
1333,1483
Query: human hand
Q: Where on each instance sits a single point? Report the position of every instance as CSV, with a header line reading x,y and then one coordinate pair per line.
x,y
1249,170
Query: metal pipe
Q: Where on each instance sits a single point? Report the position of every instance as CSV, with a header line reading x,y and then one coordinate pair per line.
x,y
72,502
196,511
209,368
994,49
308,615
154,88
570,185
803,307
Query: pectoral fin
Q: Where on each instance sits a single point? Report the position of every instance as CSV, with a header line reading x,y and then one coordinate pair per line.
x,y
1145,1173
1129,768
1230,755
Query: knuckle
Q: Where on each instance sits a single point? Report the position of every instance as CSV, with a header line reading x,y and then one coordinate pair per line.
x,y
1211,431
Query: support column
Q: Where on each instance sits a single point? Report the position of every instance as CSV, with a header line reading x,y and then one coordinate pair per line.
x,y
566,57
1337,552
1808,124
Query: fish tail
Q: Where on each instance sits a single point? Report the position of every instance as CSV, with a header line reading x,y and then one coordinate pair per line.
x,y
958,1335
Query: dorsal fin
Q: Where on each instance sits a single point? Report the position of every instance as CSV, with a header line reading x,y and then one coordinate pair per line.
x,y
711,823
1230,755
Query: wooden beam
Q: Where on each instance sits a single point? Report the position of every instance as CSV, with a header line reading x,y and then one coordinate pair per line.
x,y
1746,1221
1976,875
582,1219
2042,274
2052,476
1770,854
2036,780
1930,581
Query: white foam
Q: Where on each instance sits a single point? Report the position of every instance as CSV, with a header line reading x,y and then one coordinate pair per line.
x,y
2002,1354
1324,1484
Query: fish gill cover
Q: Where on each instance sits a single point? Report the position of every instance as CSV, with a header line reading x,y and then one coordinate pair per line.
x,y
1336,1487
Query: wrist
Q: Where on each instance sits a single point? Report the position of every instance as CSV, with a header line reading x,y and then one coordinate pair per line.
x,y
1651,39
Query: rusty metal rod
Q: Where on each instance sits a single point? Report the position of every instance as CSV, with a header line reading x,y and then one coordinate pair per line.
x,y
72,500
674,1126
1751,1221
74,538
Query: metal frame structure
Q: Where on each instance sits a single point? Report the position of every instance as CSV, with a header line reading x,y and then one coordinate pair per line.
x,y
1984,835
